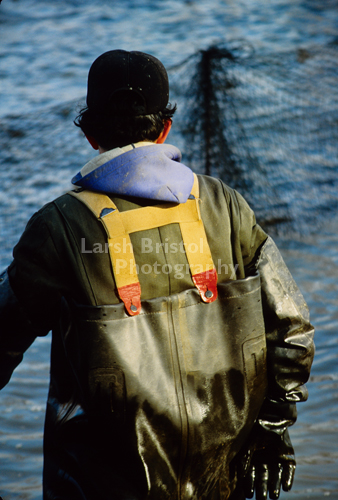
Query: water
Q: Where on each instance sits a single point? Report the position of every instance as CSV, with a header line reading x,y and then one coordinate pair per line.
x,y
45,52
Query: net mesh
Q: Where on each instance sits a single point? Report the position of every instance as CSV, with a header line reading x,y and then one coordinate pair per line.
x,y
266,125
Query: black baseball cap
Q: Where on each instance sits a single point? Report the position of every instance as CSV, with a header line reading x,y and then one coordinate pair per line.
x,y
127,82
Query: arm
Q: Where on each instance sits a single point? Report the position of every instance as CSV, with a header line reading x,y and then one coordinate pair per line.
x,y
17,332
269,462
288,329
29,291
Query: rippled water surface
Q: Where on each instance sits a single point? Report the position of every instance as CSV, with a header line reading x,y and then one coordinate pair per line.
x,y
288,133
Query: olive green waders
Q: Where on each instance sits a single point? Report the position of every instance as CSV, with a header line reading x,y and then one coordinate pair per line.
x,y
168,388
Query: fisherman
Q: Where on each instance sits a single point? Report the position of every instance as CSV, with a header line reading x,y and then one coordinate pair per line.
x,y
180,342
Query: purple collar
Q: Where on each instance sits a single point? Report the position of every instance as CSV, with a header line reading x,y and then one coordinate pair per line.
x,y
151,171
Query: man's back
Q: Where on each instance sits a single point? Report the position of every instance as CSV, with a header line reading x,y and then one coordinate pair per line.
x,y
170,310
165,399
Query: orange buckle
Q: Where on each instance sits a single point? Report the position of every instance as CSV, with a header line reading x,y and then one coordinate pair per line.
x,y
206,283
131,296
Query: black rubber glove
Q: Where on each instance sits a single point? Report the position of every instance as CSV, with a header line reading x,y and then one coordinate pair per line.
x,y
267,465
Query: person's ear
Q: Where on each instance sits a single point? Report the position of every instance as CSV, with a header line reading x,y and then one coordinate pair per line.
x,y
162,137
94,144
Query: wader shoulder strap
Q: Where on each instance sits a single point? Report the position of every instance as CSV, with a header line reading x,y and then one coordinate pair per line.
x,y
119,225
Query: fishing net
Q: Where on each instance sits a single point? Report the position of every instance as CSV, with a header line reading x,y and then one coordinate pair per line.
x,y
266,124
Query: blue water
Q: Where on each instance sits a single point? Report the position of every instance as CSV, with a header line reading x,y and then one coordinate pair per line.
x,y
46,49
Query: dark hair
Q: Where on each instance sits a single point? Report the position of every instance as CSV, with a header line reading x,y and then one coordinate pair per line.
x,y
119,129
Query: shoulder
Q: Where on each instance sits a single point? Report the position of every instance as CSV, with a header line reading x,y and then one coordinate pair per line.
x,y
47,221
217,192
221,203
62,209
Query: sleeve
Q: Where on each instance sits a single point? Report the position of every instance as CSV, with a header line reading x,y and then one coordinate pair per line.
x,y
268,462
17,331
30,294
289,333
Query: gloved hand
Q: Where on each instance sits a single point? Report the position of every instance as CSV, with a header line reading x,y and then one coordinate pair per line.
x,y
267,465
